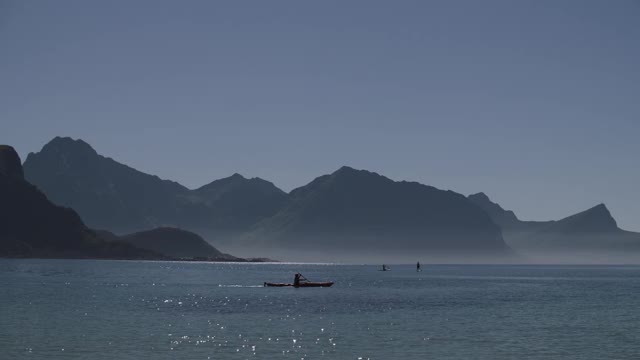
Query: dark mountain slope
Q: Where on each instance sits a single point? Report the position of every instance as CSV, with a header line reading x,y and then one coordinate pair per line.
x,y
502,217
236,203
590,230
32,226
598,219
506,219
356,210
106,193
113,196
176,243
10,165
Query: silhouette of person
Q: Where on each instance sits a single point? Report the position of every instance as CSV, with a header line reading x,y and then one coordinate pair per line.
x,y
297,278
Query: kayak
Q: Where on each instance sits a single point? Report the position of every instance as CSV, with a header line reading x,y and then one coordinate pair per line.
x,y
302,284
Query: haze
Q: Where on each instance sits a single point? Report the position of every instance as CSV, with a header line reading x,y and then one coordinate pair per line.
x,y
535,103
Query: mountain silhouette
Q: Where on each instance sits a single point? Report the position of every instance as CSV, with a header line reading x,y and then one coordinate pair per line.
x,y
107,194
236,203
358,210
113,196
502,217
10,165
347,211
594,229
176,243
32,226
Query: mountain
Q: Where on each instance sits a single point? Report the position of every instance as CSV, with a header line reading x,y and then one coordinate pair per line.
x,y
502,217
236,203
594,230
10,165
347,212
32,226
347,209
105,193
506,219
113,196
176,243
597,219
359,211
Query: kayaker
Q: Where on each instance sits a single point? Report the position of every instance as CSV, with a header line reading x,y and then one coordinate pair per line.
x,y
297,278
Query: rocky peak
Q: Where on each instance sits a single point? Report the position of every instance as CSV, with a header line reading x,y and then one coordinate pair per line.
x,y
69,145
502,217
349,171
349,174
595,219
61,154
480,197
10,164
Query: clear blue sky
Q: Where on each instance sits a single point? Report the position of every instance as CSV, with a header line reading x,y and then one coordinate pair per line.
x,y
536,103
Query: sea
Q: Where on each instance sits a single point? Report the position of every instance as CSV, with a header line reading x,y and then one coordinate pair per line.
x,y
97,309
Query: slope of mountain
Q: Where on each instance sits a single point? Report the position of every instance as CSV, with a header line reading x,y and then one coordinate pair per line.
x,y
502,217
32,226
176,243
591,230
105,193
10,165
359,211
235,203
113,196
506,219
597,219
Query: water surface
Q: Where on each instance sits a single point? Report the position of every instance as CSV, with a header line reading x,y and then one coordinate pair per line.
x,y
84,309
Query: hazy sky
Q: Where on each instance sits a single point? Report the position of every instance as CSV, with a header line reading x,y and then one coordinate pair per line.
x,y
536,103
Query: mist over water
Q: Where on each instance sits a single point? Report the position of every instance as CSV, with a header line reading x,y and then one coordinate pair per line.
x,y
61,309
401,256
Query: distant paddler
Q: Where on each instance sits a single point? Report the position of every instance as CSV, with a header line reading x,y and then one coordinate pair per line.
x,y
418,266
297,278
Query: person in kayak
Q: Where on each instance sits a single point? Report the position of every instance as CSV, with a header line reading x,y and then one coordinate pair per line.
x,y
297,278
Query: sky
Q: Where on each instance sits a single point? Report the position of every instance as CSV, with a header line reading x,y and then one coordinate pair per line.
x,y
536,103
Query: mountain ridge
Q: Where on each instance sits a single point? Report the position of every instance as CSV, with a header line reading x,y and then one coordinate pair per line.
x,y
593,229
354,209
176,243
349,208
111,195
32,226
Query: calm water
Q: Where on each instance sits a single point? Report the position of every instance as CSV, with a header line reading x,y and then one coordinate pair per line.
x,y
64,309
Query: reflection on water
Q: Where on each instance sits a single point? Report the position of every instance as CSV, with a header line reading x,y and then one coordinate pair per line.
x,y
85,309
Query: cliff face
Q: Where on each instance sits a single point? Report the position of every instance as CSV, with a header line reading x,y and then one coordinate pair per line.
x,y
30,225
502,217
10,162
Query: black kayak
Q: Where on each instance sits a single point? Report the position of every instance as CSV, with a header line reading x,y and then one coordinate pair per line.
x,y
302,284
